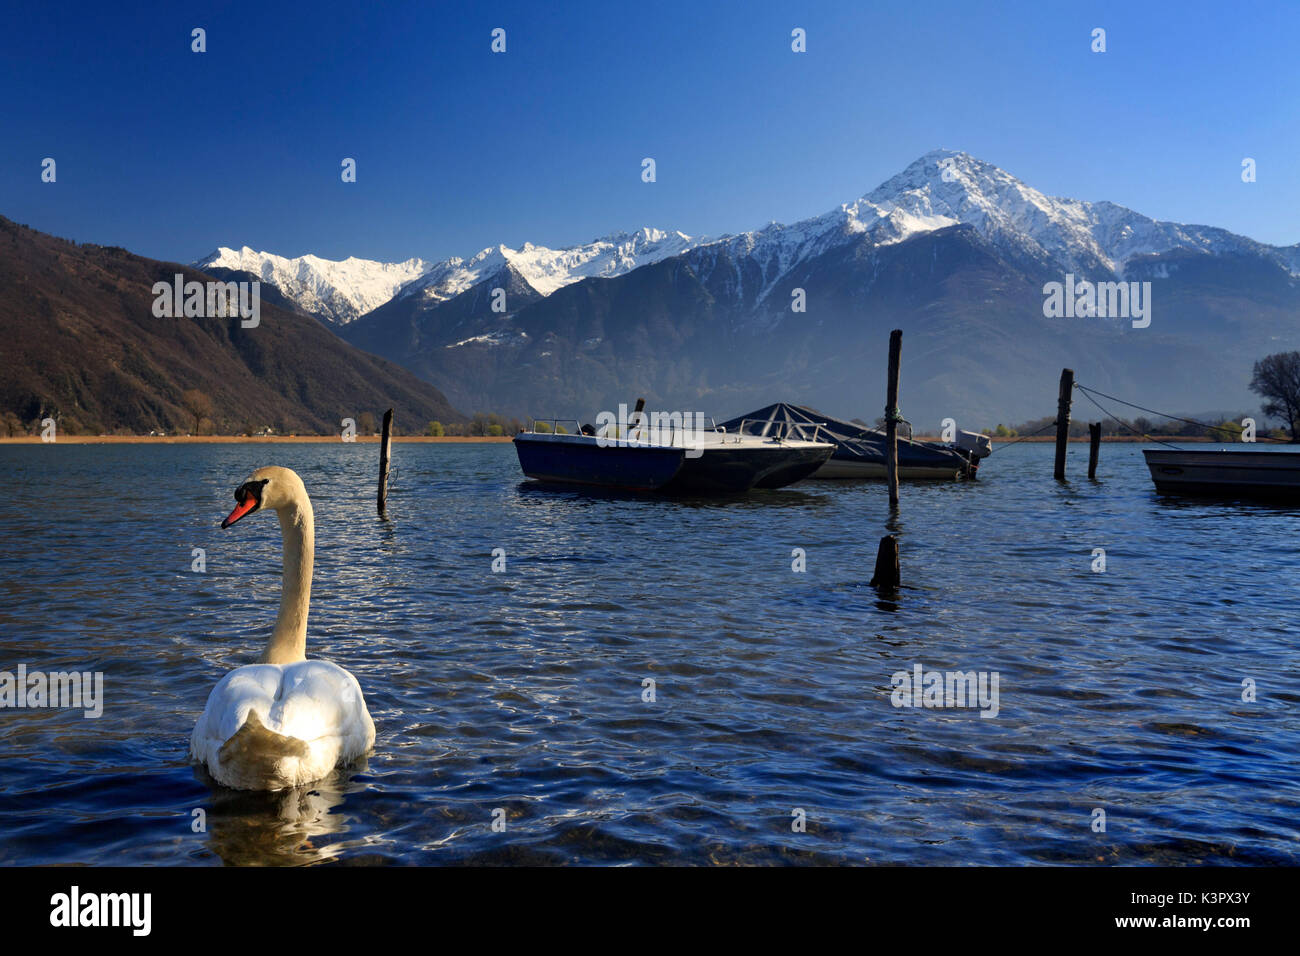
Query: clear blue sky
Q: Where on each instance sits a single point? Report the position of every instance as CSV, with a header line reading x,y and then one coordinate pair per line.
x,y
172,153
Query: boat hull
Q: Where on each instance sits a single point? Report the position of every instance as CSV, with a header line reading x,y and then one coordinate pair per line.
x,y
720,465
737,469
576,460
1226,474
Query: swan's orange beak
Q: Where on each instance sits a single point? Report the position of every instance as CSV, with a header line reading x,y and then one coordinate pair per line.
x,y
241,509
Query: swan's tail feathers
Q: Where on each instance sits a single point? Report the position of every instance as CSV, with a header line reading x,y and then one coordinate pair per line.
x,y
255,753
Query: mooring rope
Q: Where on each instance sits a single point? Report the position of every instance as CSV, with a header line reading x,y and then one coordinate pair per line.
x,y
895,415
1089,392
1125,425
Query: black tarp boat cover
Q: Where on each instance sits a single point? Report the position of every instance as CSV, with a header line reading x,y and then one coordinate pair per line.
x,y
855,443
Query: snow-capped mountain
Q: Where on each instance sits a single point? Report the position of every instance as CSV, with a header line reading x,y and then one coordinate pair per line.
x,y
953,250
343,291
336,291
946,188
546,270
941,189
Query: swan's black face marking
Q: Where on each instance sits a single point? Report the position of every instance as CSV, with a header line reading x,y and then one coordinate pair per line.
x,y
253,488
249,498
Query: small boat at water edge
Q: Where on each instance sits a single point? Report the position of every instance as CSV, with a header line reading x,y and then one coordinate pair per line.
x,y
1225,473
707,463
860,451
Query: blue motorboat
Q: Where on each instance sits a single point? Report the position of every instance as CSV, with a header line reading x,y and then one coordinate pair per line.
x,y
712,461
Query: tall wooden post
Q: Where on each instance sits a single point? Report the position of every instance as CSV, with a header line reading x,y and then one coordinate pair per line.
x,y
1063,400
384,443
891,415
1094,449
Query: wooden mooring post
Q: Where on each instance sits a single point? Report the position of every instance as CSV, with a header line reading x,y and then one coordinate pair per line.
x,y
887,573
384,443
1063,400
1094,449
892,416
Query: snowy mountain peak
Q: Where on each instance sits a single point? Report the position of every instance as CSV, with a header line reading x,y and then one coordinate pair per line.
x,y
338,291
546,269
947,187
940,189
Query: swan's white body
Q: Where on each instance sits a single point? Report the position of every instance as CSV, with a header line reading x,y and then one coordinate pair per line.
x,y
310,717
287,721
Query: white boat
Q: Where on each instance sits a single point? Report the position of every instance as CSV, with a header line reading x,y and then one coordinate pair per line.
x,y
1225,473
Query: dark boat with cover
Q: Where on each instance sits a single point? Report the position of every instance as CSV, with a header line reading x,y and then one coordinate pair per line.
x,y
860,451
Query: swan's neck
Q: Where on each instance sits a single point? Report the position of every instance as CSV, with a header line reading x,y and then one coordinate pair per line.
x,y
298,530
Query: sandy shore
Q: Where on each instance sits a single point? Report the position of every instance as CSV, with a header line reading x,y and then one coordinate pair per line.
x,y
451,439
233,439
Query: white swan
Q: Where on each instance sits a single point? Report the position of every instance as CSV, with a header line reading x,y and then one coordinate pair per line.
x,y
285,721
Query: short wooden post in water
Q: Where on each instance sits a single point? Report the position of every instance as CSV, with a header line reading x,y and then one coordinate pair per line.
x,y
383,462
891,416
1094,449
1063,400
887,573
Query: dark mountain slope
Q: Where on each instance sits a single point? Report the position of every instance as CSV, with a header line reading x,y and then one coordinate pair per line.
x,y
78,339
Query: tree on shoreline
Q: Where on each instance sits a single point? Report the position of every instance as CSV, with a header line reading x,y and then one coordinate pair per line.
x,y
1277,381
198,405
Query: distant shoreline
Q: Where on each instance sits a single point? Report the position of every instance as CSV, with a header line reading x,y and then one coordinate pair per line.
x,y
236,439
1105,439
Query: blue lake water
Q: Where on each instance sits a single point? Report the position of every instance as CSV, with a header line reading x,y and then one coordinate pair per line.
x,y
523,692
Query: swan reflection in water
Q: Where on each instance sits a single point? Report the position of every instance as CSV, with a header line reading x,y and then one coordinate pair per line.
x,y
296,826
